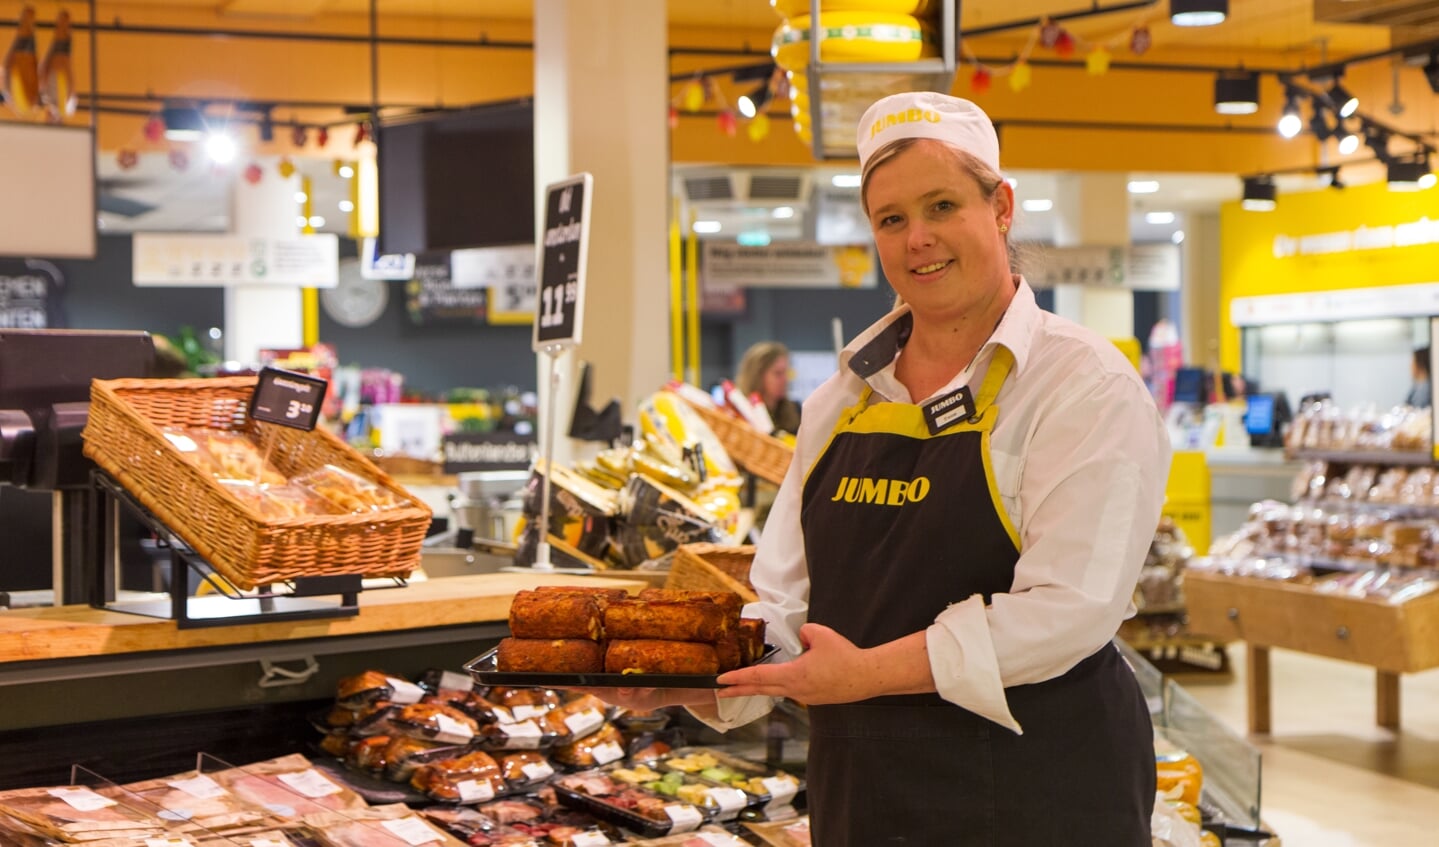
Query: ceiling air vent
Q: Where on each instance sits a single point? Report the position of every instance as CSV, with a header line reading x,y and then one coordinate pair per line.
x,y
699,189
781,187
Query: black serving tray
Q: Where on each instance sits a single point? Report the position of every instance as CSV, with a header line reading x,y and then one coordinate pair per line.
x,y
482,669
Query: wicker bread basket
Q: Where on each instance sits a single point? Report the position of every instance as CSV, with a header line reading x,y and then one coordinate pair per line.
x,y
762,455
713,567
124,437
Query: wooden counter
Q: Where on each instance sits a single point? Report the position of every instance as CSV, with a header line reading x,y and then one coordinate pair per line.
x,y
73,632
1392,638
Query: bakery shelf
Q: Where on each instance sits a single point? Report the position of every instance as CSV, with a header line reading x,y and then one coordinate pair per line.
x,y
1364,457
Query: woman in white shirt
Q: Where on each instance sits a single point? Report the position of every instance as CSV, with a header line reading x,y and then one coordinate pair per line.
x,y
971,499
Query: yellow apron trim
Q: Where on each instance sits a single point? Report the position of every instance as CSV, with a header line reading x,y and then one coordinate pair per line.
x,y
994,495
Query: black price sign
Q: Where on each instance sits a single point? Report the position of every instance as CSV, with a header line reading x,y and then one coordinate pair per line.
x,y
563,250
288,399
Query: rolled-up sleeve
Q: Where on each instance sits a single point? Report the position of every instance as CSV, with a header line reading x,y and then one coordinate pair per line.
x,y
1090,495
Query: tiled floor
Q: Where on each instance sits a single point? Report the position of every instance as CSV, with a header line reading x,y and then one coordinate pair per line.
x,y
1331,777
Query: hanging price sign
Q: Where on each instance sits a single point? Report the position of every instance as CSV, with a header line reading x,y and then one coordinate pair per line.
x,y
287,398
563,251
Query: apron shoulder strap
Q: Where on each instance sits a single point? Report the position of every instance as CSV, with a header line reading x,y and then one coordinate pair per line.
x,y
999,368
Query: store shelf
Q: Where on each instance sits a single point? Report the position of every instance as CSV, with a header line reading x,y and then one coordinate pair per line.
x,y
1364,457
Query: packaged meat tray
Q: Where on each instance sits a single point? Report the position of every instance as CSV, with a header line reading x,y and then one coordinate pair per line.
x,y
483,669
76,813
289,786
379,826
636,809
769,787
721,802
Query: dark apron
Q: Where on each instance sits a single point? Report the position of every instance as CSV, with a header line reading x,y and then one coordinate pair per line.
x,y
898,524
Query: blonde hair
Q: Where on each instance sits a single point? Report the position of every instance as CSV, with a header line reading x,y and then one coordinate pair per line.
x,y
758,359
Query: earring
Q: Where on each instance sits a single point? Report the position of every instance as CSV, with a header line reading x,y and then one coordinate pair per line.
x,y
1004,227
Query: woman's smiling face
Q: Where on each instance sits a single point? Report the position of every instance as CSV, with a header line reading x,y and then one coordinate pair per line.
x,y
938,235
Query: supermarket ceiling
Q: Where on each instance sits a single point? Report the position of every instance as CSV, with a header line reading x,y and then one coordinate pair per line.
x,y
1151,116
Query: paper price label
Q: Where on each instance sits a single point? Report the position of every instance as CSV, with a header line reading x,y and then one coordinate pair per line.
x,y
729,800
403,691
81,799
277,841
524,735
168,842
504,715
476,791
538,770
452,730
780,790
589,839
684,816
585,722
310,783
525,712
412,830
200,786
718,839
608,752
456,681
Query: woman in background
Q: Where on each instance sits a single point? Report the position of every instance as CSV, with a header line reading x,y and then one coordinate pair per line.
x,y
764,370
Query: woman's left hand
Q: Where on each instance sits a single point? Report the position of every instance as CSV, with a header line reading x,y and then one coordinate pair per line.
x,y
831,670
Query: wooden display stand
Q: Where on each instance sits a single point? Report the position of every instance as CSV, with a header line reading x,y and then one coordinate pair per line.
x,y
1393,639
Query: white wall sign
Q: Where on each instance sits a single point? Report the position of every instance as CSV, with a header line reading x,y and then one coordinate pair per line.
x,y
1140,267
1391,301
509,273
787,264
204,260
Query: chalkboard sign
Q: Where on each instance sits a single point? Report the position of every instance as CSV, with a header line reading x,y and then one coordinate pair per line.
x,y
287,398
432,299
28,294
563,251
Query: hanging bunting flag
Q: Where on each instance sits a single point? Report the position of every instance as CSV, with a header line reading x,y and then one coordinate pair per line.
x,y
979,80
1097,62
1019,78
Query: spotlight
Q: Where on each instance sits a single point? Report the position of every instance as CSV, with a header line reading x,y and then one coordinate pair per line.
x,y
1411,173
183,123
267,128
1259,194
1290,123
752,103
1330,177
1319,124
221,148
1348,141
1236,93
1378,141
1345,104
1431,72
1198,12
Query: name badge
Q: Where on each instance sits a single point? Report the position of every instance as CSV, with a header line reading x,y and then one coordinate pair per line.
x,y
943,411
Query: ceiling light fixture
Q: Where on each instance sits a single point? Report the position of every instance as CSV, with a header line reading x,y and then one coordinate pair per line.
x,y
1319,124
1198,12
1411,173
221,148
1330,177
1236,93
1290,122
1259,194
754,102
1143,186
1431,71
1345,104
1348,141
183,123
1159,218
707,227
1040,205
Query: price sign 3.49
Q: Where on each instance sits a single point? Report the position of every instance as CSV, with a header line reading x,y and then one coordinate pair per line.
x,y
563,252
288,399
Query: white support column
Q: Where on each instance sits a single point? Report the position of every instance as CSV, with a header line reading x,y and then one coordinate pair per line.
x,y
600,98
1093,210
263,316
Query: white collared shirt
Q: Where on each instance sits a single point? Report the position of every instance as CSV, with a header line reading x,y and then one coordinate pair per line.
x,y
1080,458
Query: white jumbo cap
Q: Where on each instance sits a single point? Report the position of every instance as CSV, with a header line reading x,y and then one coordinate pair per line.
x,y
928,114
